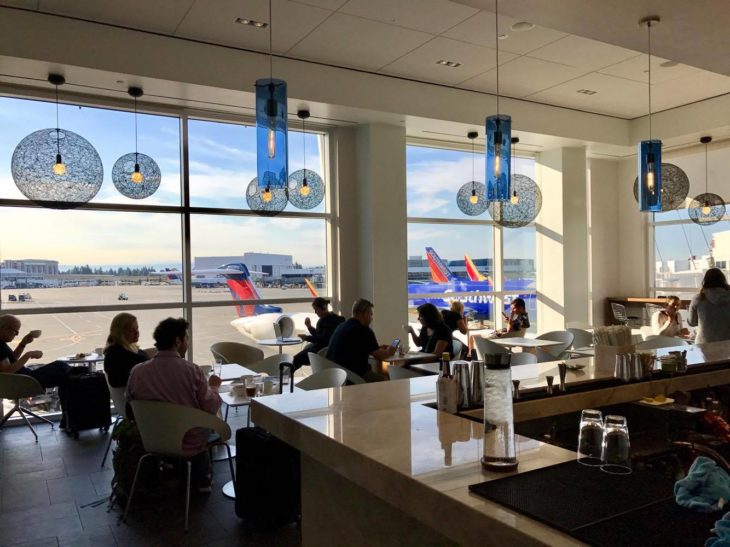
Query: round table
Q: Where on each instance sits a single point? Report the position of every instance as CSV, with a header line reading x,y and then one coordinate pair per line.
x,y
88,359
281,342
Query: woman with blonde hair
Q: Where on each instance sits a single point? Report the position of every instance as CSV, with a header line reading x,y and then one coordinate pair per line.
x,y
121,352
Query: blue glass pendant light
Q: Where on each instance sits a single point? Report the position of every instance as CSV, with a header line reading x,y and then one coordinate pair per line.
x,y
499,140
272,160
650,151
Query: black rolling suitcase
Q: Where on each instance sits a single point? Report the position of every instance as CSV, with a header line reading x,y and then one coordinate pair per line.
x,y
268,477
87,403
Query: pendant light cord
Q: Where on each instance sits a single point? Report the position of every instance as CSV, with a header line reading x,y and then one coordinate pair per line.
x,y
58,132
271,47
136,152
304,148
648,31
706,183
496,43
473,181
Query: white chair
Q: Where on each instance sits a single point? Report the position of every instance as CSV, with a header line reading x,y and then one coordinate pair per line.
x,y
235,352
484,346
656,342
401,373
581,338
15,387
270,365
286,324
323,351
162,427
523,358
563,336
458,345
317,362
545,357
324,379
119,397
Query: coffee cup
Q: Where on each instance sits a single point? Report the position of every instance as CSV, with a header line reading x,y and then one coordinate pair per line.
x,y
207,369
269,386
239,390
36,333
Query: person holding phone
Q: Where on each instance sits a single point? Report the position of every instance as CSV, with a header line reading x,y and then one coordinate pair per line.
x,y
435,337
517,321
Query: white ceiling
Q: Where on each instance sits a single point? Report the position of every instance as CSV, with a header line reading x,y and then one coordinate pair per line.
x,y
405,38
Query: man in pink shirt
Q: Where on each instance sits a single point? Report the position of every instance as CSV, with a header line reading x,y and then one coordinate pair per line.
x,y
170,378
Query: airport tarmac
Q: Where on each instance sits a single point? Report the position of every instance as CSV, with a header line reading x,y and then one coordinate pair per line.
x,y
70,333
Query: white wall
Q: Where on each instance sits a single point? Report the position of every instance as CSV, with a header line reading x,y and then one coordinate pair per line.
x,y
632,234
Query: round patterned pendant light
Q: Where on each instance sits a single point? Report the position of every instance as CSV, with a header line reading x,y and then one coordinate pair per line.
x,y
472,196
707,208
266,201
675,187
136,175
306,188
57,168
524,204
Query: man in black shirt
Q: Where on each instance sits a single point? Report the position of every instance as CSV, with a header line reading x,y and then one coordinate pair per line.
x,y
354,341
318,338
13,361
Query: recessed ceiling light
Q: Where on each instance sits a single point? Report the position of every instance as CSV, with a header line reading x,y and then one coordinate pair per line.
x,y
586,91
668,64
522,26
450,64
250,22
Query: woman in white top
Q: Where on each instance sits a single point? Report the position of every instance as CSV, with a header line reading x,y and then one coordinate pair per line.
x,y
668,322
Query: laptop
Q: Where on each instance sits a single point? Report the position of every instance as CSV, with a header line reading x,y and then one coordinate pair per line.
x,y
280,338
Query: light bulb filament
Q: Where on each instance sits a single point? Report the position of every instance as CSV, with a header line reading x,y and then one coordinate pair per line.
x,y
272,143
137,176
473,199
266,195
706,209
305,189
59,168
514,200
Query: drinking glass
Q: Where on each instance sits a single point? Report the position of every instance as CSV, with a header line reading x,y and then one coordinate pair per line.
x,y
590,438
615,451
248,382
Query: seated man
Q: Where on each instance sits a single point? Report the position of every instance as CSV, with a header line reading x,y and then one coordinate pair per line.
x,y
668,322
354,341
169,377
54,374
318,338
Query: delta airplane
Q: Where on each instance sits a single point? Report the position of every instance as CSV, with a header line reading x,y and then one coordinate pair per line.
x,y
476,305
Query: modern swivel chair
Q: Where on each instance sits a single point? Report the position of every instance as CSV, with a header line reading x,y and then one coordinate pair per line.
x,y
162,427
235,352
324,379
563,336
484,346
522,358
270,365
619,314
318,363
581,338
119,398
286,325
15,387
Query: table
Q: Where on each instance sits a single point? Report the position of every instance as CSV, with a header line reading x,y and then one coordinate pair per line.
x,y
529,344
233,371
408,357
281,342
588,351
89,359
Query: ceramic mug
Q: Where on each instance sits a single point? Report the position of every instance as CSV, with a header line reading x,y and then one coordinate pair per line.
x,y
207,369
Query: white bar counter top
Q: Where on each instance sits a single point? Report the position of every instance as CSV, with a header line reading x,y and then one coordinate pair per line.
x,y
384,440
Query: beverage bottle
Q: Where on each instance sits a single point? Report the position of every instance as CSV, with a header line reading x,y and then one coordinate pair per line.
x,y
447,392
500,453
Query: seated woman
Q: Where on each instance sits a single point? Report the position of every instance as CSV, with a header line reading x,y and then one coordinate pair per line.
x,y
517,322
668,322
121,353
435,337
454,318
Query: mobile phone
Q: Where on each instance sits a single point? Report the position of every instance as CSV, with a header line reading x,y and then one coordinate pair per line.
x,y
395,343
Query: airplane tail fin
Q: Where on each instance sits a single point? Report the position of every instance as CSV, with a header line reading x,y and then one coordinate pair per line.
x,y
242,287
311,287
472,271
440,272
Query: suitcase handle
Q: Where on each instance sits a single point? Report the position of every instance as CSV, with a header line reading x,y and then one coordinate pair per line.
x,y
282,366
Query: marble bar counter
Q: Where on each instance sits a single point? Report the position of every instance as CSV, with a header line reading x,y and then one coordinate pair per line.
x,y
380,468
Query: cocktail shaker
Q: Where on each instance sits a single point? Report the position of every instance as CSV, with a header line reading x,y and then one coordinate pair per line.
x,y
477,382
461,372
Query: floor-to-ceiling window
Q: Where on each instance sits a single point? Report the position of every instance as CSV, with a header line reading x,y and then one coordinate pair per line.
x,y
484,263
157,257
683,250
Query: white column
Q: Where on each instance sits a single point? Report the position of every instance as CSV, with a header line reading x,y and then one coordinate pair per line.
x,y
562,240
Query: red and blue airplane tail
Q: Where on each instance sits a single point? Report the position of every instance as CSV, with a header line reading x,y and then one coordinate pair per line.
x,y
242,287
440,272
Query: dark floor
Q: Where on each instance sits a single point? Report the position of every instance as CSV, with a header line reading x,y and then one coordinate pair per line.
x,y
48,490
